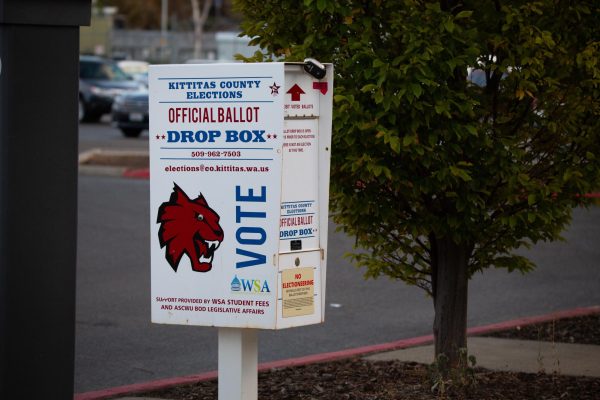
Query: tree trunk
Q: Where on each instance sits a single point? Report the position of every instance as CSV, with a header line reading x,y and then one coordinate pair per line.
x,y
199,19
450,290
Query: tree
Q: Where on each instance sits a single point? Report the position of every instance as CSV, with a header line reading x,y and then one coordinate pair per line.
x,y
199,18
140,14
146,14
437,176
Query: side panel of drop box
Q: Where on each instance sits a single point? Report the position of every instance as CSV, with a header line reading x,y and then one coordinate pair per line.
x,y
304,197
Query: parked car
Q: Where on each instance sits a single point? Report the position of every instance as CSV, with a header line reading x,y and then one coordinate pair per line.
x,y
130,113
100,81
138,70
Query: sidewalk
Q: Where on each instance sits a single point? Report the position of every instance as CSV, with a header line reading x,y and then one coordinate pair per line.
x,y
515,355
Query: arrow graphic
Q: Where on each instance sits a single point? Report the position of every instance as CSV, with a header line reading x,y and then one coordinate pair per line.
x,y
295,91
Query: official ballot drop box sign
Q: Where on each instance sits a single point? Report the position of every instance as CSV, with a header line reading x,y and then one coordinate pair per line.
x,y
239,190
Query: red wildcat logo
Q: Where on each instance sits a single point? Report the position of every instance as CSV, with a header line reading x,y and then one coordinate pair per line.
x,y
189,227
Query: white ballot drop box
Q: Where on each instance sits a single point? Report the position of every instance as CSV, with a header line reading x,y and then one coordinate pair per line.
x,y
239,191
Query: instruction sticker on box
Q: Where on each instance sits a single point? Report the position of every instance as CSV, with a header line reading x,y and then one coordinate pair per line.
x,y
298,288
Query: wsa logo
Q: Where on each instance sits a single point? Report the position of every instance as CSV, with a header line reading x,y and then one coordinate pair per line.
x,y
236,286
249,285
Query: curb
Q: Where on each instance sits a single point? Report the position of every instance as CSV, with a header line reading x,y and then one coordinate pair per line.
x,y
142,173
115,162
101,170
502,326
335,355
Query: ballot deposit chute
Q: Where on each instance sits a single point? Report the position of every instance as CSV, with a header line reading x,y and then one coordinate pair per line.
x,y
239,190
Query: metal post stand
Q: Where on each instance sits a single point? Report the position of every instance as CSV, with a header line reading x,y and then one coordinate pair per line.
x,y
238,364
39,47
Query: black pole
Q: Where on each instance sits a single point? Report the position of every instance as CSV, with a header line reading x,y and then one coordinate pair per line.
x,y
39,47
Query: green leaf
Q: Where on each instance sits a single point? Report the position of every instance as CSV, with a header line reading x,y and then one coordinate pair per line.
x,y
368,88
377,170
460,173
416,89
471,129
449,25
377,63
396,61
440,108
395,144
463,14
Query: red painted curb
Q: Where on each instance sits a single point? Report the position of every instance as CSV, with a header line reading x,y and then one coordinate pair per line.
x,y
347,353
501,326
335,355
143,173
146,386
